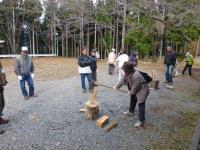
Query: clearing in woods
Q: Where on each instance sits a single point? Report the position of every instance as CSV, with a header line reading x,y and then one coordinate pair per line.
x,y
52,120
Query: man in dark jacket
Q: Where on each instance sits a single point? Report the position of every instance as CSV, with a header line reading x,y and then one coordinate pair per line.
x,y
24,69
93,65
85,62
170,62
2,102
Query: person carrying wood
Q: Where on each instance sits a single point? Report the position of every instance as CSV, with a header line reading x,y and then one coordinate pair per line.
x,y
24,70
189,62
111,61
138,90
170,62
85,71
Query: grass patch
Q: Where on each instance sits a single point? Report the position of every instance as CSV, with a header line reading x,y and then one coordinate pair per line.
x,y
177,133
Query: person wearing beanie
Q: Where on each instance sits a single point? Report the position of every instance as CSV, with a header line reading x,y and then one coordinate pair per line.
x,y
24,70
189,60
170,62
138,90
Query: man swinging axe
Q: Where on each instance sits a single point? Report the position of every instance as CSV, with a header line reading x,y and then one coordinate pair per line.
x,y
25,71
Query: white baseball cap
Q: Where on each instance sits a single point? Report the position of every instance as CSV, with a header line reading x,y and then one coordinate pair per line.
x,y
24,48
187,54
2,41
113,49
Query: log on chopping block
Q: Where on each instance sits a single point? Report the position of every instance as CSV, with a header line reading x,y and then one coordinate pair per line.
x,y
170,87
110,127
92,107
102,121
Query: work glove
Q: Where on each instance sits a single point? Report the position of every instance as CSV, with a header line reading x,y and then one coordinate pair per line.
x,y
19,77
114,88
32,75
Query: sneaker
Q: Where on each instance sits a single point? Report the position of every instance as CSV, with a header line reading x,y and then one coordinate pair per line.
x,y
170,83
165,82
84,91
26,97
138,124
3,121
34,95
91,91
128,113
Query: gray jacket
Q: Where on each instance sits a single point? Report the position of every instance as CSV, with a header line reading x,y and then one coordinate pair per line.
x,y
24,65
136,85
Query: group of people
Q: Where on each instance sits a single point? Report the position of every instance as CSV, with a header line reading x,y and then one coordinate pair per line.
x,y
170,63
123,57
138,88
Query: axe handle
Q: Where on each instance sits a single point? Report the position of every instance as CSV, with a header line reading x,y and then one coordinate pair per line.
x,y
110,87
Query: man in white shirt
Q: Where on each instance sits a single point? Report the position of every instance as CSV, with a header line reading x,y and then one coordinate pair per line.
x,y
111,61
121,59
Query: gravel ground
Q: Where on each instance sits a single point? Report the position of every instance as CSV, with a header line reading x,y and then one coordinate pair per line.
x,y
52,121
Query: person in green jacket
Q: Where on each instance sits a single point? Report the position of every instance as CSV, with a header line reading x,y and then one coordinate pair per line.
x,y
189,62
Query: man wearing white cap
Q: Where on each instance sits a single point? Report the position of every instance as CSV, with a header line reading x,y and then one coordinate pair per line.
x,y
111,61
25,71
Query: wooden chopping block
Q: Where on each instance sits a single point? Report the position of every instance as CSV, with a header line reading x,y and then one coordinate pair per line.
x,y
110,127
170,87
92,109
102,121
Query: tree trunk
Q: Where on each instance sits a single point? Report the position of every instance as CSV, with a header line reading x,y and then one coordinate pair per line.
x,y
124,25
33,39
88,39
63,44
197,49
66,42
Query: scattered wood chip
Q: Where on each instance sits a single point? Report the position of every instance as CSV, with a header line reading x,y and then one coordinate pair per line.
x,y
110,127
102,121
82,110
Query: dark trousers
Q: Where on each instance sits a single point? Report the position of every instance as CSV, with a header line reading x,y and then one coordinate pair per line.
x,y
141,106
2,101
111,68
89,78
189,69
29,80
94,75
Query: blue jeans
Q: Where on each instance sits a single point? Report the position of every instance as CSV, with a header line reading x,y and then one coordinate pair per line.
x,y
29,80
89,78
168,73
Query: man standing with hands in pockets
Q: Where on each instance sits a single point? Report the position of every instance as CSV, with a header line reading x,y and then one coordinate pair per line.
x,y
25,71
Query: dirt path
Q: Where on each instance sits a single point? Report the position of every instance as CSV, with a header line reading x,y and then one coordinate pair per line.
x,y
52,121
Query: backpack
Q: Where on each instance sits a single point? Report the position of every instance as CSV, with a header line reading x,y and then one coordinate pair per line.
x,y
146,77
